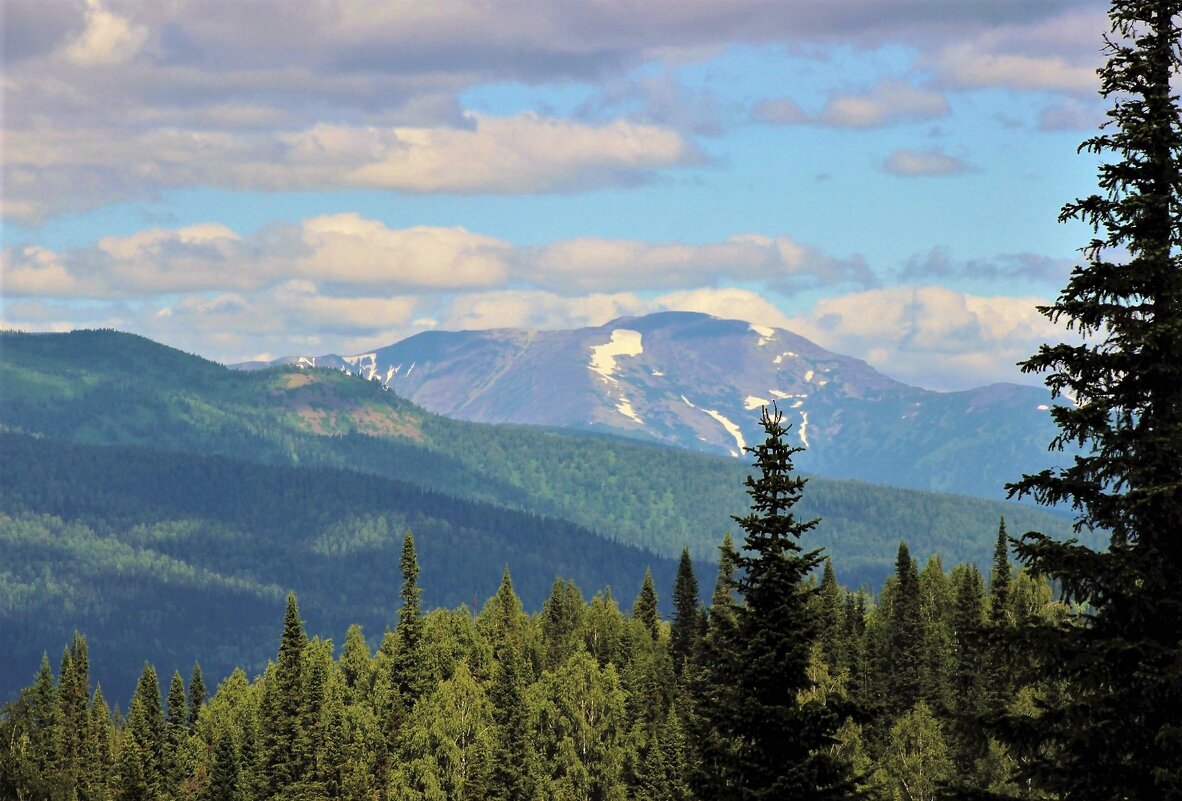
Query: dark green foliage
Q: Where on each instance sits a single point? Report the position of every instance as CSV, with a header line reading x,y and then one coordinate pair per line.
x,y
779,748
905,635
999,579
410,673
685,633
145,724
645,609
1114,732
175,730
223,773
196,699
279,722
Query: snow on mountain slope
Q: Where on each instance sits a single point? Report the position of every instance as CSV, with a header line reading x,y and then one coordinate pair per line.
x,y
696,381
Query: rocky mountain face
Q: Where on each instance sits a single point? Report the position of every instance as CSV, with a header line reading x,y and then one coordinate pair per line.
x,y
696,381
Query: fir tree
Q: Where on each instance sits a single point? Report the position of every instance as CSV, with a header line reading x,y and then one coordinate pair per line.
x,y
904,656
175,730
223,773
782,749
644,608
145,721
685,631
1115,733
999,579
196,695
410,671
830,617
282,697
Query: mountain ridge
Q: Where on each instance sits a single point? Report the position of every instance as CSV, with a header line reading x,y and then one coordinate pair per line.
x,y
692,380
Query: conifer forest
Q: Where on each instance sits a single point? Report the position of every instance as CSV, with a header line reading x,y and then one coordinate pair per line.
x,y
1054,674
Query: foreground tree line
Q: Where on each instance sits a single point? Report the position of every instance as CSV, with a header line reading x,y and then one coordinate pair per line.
x,y
783,686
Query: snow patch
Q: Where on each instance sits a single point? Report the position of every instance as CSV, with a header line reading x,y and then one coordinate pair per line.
x,y
766,334
797,405
730,427
804,427
687,402
306,361
624,407
752,402
1042,407
624,342
780,358
366,364
393,371
409,369
658,373
782,395
809,375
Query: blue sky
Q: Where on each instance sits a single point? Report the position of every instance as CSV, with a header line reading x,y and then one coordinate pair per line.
x,y
247,180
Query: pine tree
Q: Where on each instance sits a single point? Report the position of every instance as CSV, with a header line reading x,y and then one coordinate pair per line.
x,y
685,632
1115,732
644,608
196,695
782,749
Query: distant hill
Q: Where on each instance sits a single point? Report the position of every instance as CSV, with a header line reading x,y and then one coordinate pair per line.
x,y
696,381
138,481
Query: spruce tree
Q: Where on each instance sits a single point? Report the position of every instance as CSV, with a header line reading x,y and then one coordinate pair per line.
x,y
196,695
410,671
223,773
904,656
685,631
645,609
782,749
145,721
1115,732
279,722
175,730
830,617
999,579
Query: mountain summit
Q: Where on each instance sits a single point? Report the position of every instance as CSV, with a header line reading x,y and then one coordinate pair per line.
x,y
697,381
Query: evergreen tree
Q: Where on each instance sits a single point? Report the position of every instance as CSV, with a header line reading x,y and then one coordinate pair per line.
x,y
830,617
175,731
223,772
685,631
356,665
999,579
145,721
645,609
279,722
904,656
1115,733
562,615
133,784
196,695
410,671
782,749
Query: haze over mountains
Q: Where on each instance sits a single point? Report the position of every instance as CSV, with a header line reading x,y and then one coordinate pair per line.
x,y
696,381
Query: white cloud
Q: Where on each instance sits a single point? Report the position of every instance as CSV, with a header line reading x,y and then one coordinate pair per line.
x,y
932,336
107,38
344,252
523,153
888,103
729,303
916,163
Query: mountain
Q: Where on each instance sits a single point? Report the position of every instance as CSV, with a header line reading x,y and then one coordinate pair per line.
x,y
696,381
143,490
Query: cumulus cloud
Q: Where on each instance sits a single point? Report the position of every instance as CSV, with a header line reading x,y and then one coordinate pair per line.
x,y
932,336
115,101
907,162
729,303
888,103
588,263
524,153
345,252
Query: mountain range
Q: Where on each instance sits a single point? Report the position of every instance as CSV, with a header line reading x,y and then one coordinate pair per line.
x,y
152,496
697,382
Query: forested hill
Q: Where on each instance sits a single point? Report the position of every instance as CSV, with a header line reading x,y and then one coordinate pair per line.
x,y
173,555
109,387
148,481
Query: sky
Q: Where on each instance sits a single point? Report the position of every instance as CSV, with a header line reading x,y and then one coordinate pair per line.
x,y
245,180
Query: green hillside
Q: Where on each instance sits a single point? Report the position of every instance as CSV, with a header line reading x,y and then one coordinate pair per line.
x,y
108,387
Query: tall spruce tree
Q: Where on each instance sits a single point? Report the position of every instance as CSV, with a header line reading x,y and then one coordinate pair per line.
x,y
685,631
644,608
782,749
196,695
905,635
410,671
1115,732
279,724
